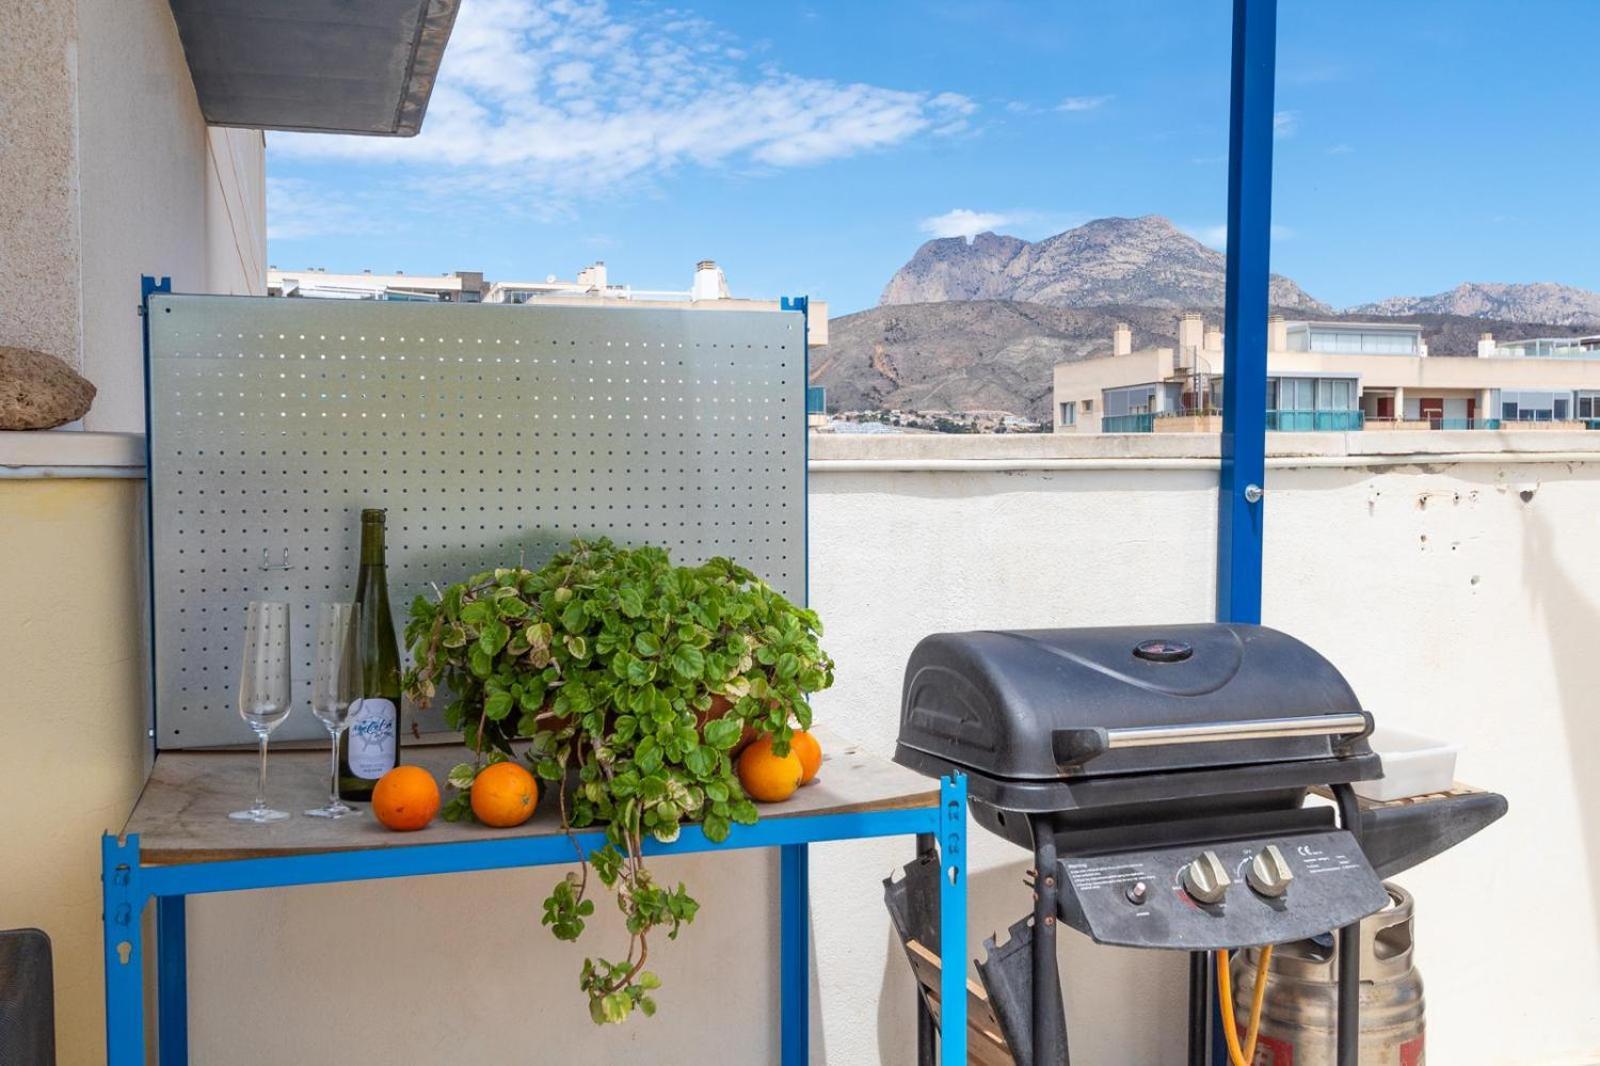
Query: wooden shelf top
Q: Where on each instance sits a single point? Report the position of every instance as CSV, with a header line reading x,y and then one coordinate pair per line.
x,y
182,814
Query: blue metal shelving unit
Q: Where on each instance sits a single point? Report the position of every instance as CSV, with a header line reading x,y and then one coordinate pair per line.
x,y
129,886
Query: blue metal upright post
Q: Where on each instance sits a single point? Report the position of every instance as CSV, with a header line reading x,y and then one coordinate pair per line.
x,y
953,920
172,980
1240,501
794,953
1244,401
122,911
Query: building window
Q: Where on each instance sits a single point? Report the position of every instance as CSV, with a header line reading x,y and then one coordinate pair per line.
x,y
1134,400
1069,413
1536,405
1088,405
1359,342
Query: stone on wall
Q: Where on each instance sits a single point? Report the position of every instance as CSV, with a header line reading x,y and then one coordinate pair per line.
x,y
39,391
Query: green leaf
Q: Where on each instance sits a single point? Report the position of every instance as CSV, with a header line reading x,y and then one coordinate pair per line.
x,y
497,706
723,733
461,775
574,618
577,647
716,828
494,637
687,661
630,602
640,672
700,761
647,644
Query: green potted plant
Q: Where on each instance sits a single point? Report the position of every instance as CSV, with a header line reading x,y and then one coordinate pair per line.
x,y
632,682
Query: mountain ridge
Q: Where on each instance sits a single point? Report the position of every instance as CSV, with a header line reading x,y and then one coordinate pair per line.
x,y
1149,262
1145,261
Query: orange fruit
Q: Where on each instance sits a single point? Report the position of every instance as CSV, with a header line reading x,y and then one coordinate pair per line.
x,y
504,795
405,798
768,777
805,745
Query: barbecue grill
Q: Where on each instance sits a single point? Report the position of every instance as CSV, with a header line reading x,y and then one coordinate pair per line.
x,y
1160,778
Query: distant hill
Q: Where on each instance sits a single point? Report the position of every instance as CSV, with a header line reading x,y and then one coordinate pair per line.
x,y
1124,261
974,325
983,355
1539,302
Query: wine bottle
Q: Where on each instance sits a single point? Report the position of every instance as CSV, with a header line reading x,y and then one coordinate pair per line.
x,y
370,747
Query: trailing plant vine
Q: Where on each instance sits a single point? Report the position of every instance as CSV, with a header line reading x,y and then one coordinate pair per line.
x,y
633,682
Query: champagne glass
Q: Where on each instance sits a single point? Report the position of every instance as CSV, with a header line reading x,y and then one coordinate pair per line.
x,y
264,690
335,688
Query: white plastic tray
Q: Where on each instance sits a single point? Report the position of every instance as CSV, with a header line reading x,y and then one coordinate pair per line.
x,y
1413,765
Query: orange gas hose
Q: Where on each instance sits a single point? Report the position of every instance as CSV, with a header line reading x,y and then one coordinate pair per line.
x,y
1230,1027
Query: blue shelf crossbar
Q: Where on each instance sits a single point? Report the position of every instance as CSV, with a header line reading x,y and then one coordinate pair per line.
x,y
128,886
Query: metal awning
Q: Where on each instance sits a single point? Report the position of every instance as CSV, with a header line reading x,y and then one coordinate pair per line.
x,y
323,66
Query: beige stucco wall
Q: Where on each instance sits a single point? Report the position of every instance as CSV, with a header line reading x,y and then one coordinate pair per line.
x,y
39,291
71,719
110,172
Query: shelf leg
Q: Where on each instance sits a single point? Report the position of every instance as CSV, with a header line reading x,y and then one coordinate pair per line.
x,y
122,902
927,1034
172,980
795,953
953,920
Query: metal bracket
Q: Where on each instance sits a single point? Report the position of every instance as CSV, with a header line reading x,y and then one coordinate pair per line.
x,y
124,895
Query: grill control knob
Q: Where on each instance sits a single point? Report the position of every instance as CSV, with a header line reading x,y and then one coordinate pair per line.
x,y
1269,874
1206,879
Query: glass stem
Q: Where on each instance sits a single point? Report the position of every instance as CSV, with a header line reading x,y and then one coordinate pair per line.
x,y
333,788
261,778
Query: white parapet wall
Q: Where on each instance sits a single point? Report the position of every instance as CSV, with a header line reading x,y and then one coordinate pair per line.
x,y
1455,584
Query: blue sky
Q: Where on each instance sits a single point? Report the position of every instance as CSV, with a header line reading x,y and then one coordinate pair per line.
x,y
811,147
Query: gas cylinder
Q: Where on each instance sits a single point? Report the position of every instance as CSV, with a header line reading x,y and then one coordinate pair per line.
x,y
1298,1014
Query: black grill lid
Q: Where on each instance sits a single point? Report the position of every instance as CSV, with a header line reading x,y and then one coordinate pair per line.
x,y
1049,704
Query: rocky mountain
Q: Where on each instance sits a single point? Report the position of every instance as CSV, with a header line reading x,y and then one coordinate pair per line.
x,y
1140,261
1539,302
997,355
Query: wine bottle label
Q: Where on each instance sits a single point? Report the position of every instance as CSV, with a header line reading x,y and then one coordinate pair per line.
x,y
372,737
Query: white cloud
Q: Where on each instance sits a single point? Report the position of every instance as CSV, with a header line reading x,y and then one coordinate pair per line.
x,y
297,209
1084,103
554,100
964,223
1341,149
1285,123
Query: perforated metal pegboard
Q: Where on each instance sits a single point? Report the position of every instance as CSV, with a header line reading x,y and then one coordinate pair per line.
x,y
489,433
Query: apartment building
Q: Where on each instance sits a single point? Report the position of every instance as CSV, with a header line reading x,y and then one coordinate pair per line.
x,y
316,283
1334,376
708,291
